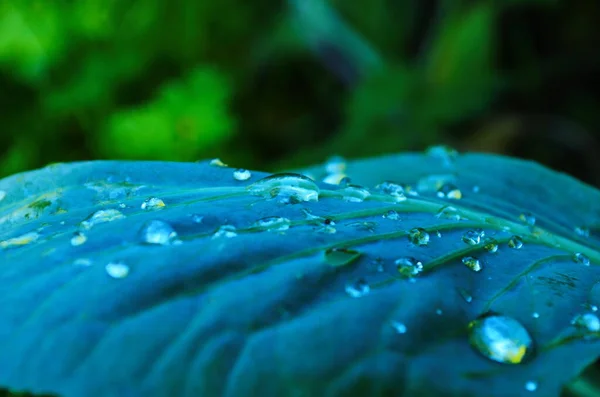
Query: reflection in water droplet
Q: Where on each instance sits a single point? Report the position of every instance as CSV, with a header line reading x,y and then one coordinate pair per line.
x,y
341,256
101,216
226,231
408,266
273,223
472,263
500,338
358,289
473,237
335,165
399,327
288,188
581,258
418,236
490,244
449,212
78,239
449,191
117,269
528,218
82,262
355,193
23,239
153,203
587,322
392,214
515,242
582,231
217,163
241,174
531,385
465,295
157,232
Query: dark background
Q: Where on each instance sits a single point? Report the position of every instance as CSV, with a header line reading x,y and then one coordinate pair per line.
x,y
272,84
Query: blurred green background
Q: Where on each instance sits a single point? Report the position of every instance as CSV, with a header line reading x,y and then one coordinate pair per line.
x,y
270,84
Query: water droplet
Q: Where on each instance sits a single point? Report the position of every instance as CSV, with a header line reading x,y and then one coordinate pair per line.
x,y
84,262
287,187
358,289
153,203
588,322
581,258
327,229
582,231
392,215
399,327
465,295
117,269
23,239
490,244
273,223
472,263
418,236
449,212
227,231
531,385
355,193
241,174
157,232
528,218
101,216
122,205
515,242
449,191
408,266
2,195
500,338
363,225
197,218
78,239
392,189
335,165
341,256
217,163
443,152
473,237
438,234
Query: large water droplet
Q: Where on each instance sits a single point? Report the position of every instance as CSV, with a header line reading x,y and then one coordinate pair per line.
x,y
581,258
448,212
472,263
101,216
392,215
408,266
217,163
287,187
449,191
473,237
241,174
418,236
341,256
531,385
273,223
358,288
355,193
117,269
157,232
23,239
226,231
500,338
528,218
490,244
515,242
153,203
78,239
587,322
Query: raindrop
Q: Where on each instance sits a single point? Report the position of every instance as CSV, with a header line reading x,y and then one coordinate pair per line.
x,y
78,239
341,256
153,203
490,244
408,266
531,385
227,231
392,215
465,295
241,174
355,193
217,163
473,237
582,231
588,322
515,242
287,187
399,327
2,195
581,258
528,218
157,232
449,212
23,239
101,216
418,236
449,191
335,165
117,269
500,338
273,223
358,289
472,263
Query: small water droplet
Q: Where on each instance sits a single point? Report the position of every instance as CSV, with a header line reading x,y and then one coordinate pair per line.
x,y
515,242
531,385
587,322
84,262
122,205
465,295
117,269
528,218
449,191
2,195
78,239
408,266
226,231
217,163
197,218
418,236
273,223
241,174
449,212
335,165
101,216
500,338
581,258
289,188
392,215
490,244
473,237
355,193
153,203
582,231
438,234
472,263
535,315
157,232
341,256
398,327
392,189
23,239
358,289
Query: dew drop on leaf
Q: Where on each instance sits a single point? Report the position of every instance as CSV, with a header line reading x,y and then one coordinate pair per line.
x,y
449,191
392,189
153,203
289,188
418,236
101,216
582,231
490,244
226,231
531,385
78,238
217,163
581,258
528,218
465,295
500,338
448,212
241,174
117,269
472,263
515,242
408,266
473,237
399,327
23,239
341,256
273,223
587,322
157,232
392,215
355,193
358,288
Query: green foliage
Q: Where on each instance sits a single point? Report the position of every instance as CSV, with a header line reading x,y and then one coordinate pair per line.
x,y
187,279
